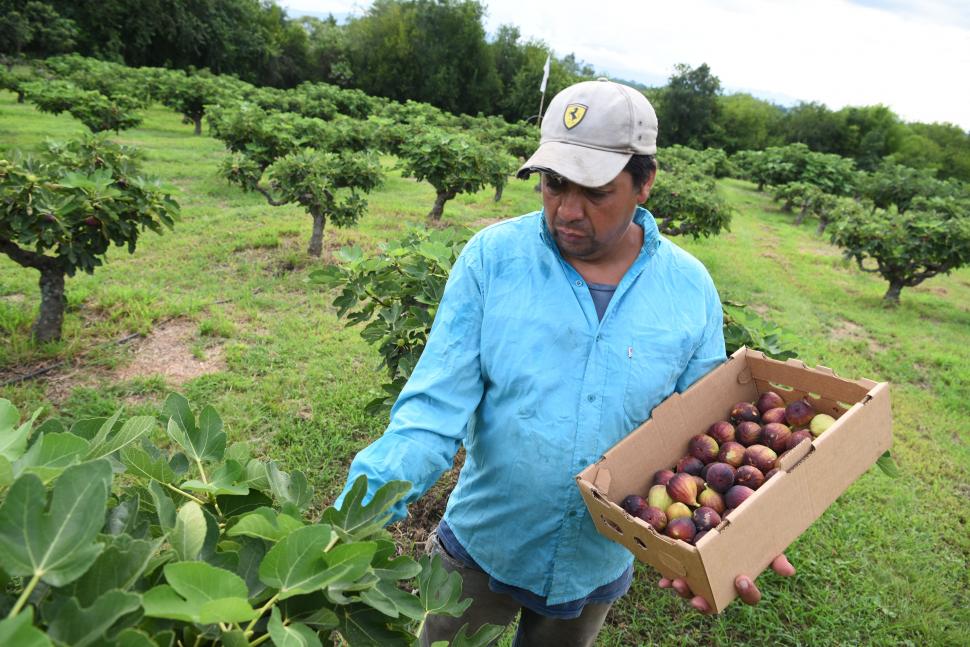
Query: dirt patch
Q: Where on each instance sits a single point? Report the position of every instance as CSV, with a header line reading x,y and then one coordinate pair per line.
x,y
13,298
167,351
777,258
481,223
845,329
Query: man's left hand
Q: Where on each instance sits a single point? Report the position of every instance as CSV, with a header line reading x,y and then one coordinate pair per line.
x,y
744,585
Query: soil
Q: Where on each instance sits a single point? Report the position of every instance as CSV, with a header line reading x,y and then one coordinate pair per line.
x,y
167,351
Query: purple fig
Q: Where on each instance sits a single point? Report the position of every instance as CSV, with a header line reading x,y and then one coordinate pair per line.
x,y
771,473
769,400
774,415
690,465
797,437
720,477
698,537
681,528
731,453
799,413
701,483
655,517
711,499
706,518
721,431
634,504
676,511
748,433
661,477
683,488
761,457
776,435
749,476
703,448
745,411
737,495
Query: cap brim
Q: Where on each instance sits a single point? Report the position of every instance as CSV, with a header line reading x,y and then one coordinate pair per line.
x,y
581,165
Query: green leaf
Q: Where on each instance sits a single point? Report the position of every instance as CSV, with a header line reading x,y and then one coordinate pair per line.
x,y
164,508
362,626
356,521
13,439
294,635
20,631
50,455
387,565
132,430
296,564
6,472
485,636
104,429
205,442
134,638
55,543
223,481
438,590
199,592
79,626
392,601
189,533
264,523
292,488
119,566
141,464
234,638
888,465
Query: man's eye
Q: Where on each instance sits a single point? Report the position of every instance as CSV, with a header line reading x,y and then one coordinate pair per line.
x,y
555,184
595,195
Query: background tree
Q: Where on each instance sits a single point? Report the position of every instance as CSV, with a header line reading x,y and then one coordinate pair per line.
x,y
688,107
746,123
96,111
61,212
32,28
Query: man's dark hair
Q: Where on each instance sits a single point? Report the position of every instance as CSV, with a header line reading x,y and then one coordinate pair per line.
x,y
640,167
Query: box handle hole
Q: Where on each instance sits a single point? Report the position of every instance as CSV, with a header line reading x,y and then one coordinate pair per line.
x,y
783,387
640,543
615,528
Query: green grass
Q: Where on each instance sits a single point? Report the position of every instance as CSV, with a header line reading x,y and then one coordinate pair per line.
x,y
887,564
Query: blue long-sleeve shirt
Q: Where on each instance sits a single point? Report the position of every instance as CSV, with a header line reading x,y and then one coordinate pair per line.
x,y
519,368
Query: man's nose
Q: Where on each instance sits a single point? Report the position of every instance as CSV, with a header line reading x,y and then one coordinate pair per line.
x,y
571,206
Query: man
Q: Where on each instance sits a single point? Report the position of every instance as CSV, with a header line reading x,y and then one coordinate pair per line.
x,y
558,333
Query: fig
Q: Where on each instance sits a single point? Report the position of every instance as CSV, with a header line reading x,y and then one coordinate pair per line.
x,y
797,437
731,453
92,222
749,476
661,477
776,435
711,499
698,537
761,457
690,465
700,482
737,495
683,488
774,415
681,528
820,423
676,511
706,518
771,473
657,497
720,476
655,517
748,433
745,411
703,448
799,413
634,504
722,431
769,400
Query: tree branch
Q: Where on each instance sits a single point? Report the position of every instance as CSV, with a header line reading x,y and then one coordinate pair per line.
x,y
269,197
25,257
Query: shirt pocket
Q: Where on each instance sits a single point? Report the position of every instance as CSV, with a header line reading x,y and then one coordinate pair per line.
x,y
655,358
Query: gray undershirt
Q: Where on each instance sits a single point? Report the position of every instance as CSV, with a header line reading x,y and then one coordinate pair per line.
x,y
601,294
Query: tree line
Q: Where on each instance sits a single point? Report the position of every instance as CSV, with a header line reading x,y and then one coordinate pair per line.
x,y
437,52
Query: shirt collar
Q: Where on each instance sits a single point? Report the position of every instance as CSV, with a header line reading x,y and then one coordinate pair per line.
x,y
651,234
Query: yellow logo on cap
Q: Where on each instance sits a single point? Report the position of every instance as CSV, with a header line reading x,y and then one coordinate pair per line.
x,y
573,115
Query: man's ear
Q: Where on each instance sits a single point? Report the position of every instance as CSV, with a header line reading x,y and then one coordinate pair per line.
x,y
644,191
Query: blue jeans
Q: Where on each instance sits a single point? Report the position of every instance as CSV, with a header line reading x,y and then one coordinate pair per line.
x,y
489,607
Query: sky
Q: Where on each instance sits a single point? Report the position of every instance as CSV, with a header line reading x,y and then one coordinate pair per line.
x,y
912,56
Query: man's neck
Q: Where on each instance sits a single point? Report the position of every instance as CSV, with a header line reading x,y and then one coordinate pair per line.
x,y
609,270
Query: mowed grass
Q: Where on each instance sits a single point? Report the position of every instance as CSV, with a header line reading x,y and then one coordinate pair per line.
x,y
887,564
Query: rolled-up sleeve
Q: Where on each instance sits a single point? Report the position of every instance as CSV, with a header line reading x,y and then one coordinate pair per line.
x,y
430,418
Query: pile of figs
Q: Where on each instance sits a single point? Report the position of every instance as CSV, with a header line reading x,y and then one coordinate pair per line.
x,y
725,465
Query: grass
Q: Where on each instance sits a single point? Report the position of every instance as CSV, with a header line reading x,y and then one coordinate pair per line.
x,y
886,564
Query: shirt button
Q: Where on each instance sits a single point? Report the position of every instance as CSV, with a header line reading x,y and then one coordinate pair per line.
x,y
579,284
590,397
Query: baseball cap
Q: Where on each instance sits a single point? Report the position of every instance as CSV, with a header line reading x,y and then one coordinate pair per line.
x,y
591,130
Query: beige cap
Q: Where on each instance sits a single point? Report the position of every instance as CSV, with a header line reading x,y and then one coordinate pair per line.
x,y
591,130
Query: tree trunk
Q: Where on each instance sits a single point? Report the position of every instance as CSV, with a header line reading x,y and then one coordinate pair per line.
x,y
439,204
20,96
198,125
801,214
316,239
49,321
498,193
891,298
822,224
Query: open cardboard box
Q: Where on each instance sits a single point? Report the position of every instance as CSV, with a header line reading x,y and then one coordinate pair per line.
x,y
810,478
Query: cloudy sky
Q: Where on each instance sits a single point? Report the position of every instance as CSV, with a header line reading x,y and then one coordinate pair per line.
x,y
913,56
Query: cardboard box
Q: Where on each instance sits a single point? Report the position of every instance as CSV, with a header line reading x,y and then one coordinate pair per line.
x,y
811,476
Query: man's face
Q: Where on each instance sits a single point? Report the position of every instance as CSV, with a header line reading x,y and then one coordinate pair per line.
x,y
590,224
